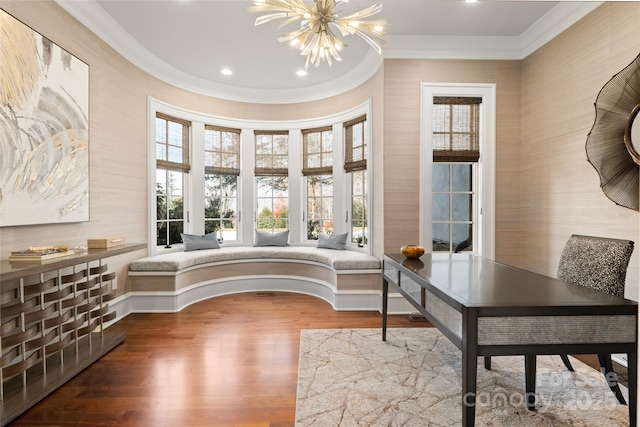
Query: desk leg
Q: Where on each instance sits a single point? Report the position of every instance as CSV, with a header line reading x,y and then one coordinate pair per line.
x,y
632,362
530,380
385,295
469,372
469,350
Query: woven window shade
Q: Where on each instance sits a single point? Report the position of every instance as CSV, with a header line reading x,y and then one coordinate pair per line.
x,y
172,143
355,156
456,129
222,150
317,151
271,153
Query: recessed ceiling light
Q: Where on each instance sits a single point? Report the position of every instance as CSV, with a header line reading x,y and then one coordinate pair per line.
x,y
226,71
301,73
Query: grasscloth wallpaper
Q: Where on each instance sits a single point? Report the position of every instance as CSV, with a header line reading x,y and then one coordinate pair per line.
x,y
545,188
117,142
559,190
402,147
545,191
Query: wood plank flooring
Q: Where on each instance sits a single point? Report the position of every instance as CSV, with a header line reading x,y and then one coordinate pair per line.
x,y
226,361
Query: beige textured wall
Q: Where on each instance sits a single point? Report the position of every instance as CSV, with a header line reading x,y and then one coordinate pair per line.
x,y
118,137
117,165
545,188
402,144
560,190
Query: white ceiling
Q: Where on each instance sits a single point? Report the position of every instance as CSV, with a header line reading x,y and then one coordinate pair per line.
x,y
188,42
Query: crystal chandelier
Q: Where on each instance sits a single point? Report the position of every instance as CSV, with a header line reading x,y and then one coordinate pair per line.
x,y
315,39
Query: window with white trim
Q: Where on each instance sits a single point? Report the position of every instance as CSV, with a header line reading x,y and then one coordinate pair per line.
x,y
355,164
453,206
457,168
222,168
172,164
456,148
272,181
317,167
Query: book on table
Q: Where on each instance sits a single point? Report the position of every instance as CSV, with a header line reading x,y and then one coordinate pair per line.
x,y
35,255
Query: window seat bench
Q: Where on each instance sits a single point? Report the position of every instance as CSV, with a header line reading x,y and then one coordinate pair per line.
x,y
348,280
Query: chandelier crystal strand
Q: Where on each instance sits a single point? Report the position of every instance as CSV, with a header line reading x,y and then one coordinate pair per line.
x,y
315,40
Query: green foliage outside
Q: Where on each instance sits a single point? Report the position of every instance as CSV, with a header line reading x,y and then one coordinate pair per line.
x,y
217,216
170,213
279,221
359,222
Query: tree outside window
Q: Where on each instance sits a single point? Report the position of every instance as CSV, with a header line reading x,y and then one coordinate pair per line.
x,y
359,211
273,204
319,205
169,207
220,208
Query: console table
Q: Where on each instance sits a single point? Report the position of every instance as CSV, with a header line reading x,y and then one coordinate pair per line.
x,y
52,316
487,309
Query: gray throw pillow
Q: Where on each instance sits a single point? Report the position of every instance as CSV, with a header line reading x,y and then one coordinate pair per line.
x,y
336,241
193,242
280,238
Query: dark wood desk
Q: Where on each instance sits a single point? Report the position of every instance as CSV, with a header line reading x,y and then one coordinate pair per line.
x,y
486,308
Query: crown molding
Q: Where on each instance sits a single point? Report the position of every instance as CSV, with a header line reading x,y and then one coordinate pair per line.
x,y
450,47
558,19
90,14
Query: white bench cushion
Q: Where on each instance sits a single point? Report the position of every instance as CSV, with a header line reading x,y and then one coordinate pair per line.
x,y
337,259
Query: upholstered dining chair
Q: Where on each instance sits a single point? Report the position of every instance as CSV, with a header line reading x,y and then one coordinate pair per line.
x,y
598,263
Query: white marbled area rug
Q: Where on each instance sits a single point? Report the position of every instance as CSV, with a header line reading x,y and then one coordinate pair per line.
x,y
350,377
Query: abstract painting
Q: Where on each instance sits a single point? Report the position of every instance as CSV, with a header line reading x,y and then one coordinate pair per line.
x,y
44,129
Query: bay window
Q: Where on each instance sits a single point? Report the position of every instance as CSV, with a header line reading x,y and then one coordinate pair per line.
x,y
230,177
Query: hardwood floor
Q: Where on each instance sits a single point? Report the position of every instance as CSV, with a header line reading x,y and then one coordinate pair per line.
x,y
226,361
230,360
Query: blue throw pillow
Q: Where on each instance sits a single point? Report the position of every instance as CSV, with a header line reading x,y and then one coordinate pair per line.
x,y
263,238
194,242
336,241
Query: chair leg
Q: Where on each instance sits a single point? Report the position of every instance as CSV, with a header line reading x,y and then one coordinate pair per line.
x,y
487,363
606,366
565,360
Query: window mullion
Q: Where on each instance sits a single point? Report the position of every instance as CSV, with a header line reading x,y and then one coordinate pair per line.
x,y
451,207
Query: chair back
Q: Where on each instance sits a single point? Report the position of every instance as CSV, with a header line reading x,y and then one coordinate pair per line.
x,y
596,262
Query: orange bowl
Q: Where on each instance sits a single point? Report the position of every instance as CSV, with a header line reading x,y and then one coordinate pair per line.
x,y
412,251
